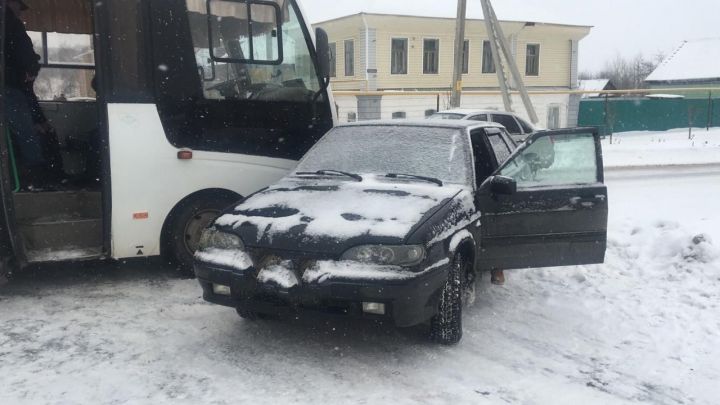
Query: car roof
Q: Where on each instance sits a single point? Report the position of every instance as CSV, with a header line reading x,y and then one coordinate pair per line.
x,y
457,124
468,111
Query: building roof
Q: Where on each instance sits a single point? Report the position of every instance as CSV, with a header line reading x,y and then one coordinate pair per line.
x,y
593,85
446,18
692,61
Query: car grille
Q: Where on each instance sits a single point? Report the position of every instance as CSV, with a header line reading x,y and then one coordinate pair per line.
x,y
301,261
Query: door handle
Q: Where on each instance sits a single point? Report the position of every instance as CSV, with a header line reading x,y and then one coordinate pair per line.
x,y
587,202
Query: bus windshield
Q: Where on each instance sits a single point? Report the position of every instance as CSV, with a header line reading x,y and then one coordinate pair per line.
x,y
252,50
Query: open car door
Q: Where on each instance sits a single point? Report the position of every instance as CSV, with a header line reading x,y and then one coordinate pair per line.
x,y
547,204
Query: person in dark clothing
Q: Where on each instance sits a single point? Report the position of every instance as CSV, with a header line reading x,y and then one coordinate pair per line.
x,y
25,118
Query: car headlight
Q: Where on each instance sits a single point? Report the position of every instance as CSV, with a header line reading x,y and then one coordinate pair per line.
x,y
213,239
406,255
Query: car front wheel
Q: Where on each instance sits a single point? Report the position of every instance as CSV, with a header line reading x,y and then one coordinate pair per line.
x,y
446,325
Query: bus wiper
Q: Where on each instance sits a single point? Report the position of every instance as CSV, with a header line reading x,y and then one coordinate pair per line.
x,y
333,172
413,176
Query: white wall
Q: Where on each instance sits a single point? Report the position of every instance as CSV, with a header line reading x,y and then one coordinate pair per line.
x,y
415,106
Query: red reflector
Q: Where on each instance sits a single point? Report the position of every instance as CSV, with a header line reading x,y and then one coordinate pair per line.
x,y
141,215
184,155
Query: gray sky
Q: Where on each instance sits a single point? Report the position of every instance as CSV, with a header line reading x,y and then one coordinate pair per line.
x,y
624,26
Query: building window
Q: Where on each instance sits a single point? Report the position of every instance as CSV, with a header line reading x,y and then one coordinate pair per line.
x,y
532,60
488,64
431,56
429,112
333,59
350,58
399,56
400,115
352,116
466,57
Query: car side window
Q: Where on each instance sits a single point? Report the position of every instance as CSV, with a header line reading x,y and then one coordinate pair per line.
x,y
508,140
508,121
484,165
527,128
500,148
555,160
481,117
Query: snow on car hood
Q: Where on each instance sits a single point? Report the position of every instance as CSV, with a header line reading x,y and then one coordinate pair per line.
x,y
309,210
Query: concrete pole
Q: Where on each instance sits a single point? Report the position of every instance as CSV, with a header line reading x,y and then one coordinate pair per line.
x,y
499,69
510,58
456,97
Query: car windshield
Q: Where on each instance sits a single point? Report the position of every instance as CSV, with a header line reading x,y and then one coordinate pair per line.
x,y
446,116
440,153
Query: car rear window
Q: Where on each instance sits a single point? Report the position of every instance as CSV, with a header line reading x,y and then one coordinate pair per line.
x,y
527,128
508,122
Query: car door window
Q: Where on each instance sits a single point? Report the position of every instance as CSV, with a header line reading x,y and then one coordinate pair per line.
x,y
508,140
484,165
501,149
481,117
557,160
508,121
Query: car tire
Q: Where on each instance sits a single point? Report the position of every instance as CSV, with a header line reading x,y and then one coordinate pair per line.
x,y
446,325
185,226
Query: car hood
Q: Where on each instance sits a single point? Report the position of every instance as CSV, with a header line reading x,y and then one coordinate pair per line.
x,y
330,216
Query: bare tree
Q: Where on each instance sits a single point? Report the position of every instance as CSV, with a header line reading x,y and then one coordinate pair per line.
x,y
627,73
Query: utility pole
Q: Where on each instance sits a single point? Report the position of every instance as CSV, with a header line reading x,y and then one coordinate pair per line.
x,y
499,67
456,96
498,40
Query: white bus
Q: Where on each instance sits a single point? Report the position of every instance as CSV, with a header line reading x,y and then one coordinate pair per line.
x,y
167,111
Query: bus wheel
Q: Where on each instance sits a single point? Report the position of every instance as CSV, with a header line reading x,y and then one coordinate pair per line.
x,y
185,226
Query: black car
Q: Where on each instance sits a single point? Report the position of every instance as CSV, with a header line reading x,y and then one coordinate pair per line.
x,y
396,220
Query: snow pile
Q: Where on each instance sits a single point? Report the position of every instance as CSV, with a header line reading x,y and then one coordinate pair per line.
x,y
674,147
281,275
235,259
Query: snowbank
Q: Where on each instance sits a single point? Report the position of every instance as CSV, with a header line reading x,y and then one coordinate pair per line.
x,y
641,148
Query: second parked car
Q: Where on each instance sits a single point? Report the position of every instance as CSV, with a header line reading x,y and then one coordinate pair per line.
x,y
396,220
518,128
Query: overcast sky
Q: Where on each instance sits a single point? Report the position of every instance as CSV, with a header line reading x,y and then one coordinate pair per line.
x,y
624,26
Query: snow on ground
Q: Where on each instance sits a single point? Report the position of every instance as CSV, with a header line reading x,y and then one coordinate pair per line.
x,y
642,328
674,147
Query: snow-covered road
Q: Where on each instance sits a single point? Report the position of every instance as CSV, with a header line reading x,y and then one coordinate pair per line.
x,y
643,328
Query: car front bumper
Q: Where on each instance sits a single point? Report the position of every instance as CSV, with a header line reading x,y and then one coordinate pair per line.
x,y
408,301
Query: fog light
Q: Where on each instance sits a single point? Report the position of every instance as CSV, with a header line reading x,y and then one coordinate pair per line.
x,y
373,308
220,289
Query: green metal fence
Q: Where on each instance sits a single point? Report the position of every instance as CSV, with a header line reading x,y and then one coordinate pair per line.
x,y
643,114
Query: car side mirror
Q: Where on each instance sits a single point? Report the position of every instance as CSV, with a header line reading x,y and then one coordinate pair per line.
x,y
322,49
503,185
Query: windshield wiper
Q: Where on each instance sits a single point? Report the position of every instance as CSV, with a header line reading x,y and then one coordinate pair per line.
x,y
412,176
330,172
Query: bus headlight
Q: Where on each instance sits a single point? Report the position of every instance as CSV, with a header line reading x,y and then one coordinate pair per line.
x,y
213,239
408,255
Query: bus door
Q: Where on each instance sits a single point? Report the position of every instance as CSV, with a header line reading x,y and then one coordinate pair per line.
x,y
53,210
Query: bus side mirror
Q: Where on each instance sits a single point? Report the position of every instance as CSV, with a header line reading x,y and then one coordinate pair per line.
x,y
322,49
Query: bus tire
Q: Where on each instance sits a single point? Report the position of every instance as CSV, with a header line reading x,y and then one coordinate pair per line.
x,y
185,225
